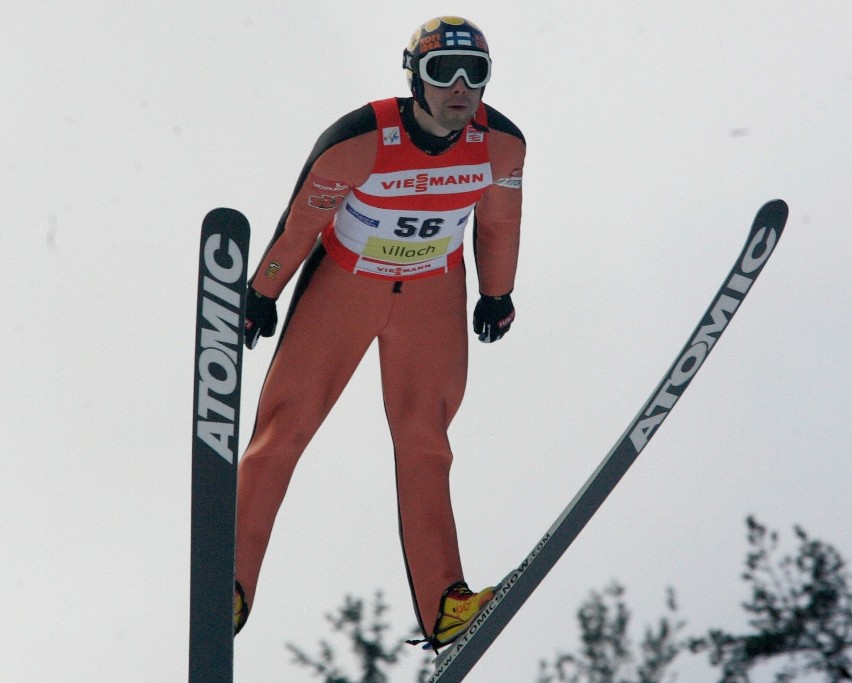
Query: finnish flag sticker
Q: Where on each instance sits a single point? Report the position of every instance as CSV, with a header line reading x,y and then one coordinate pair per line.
x,y
456,38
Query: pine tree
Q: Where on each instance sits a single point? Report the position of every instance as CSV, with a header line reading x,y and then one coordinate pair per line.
x,y
800,609
800,616
607,655
366,633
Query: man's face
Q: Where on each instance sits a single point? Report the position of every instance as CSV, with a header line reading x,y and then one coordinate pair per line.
x,y
454,106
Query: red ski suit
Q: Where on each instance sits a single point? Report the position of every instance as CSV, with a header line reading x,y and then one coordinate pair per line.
x,y
388,266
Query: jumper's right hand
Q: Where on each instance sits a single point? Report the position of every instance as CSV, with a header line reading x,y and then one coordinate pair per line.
x,y
261,317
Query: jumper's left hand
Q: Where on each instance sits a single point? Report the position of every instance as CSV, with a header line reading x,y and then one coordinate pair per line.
x,y
492,317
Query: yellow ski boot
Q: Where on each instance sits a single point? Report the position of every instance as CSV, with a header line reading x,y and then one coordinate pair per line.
x,y
241,608
459,607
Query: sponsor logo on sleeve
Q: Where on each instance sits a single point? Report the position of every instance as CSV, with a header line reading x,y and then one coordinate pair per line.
x,y
325,185
272,269
325,202
513,181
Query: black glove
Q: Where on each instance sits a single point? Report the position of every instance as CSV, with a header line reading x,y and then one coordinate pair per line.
x,y
493,317
261,317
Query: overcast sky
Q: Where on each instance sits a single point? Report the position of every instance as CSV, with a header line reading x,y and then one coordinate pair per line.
x,y
655,131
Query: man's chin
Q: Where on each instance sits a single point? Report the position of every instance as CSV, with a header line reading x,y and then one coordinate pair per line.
x,y
455,120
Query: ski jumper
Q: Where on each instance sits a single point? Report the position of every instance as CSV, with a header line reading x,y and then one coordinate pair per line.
x,y
379,225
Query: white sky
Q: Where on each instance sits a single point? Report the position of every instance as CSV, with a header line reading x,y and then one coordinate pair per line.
x,y
655,131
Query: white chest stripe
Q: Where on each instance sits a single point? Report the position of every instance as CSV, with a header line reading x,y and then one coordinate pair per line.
x,y
449,180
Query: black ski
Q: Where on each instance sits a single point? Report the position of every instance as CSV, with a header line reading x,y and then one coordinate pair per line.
x,y
215,439
458,659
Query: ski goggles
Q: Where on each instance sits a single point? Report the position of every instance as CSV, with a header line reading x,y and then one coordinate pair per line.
x,y
442,68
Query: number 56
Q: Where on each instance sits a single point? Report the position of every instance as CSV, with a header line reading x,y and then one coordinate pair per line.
x,y
408,226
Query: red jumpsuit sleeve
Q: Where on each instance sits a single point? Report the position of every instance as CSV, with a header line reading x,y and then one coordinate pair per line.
x,y
328,180
342,158
497,226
